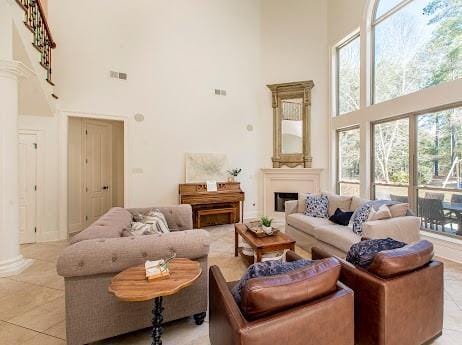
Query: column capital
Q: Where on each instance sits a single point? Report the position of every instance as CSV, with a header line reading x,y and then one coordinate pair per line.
x,y
14,70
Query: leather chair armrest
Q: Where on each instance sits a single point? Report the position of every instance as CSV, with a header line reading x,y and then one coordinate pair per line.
x,y
318,253
292,256
226,319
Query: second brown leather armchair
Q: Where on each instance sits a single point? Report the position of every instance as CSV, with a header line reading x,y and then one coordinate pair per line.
x,y
327,319
399,298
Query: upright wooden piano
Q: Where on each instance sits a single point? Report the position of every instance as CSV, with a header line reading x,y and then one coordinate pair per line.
x,y
225,206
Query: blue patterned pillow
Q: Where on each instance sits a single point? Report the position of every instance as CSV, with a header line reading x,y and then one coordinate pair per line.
x,y
265,269
363,253
316,206
359,217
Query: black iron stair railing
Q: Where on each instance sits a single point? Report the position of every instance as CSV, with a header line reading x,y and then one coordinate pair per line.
x,y
36,22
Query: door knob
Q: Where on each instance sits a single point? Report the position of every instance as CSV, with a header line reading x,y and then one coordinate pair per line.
x,y
105,187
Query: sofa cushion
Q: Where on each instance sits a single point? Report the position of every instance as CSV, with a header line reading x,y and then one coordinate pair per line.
x,y
389,263
399,210
356,202
110,225
338,236
302,202
340,217
338,201
317,205
268,295
359,217
306,224
382,213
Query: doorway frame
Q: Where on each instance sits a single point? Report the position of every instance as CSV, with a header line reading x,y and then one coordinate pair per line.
x,y
40,180
63,130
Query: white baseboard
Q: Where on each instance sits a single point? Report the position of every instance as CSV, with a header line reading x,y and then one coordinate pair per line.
x,y
445,247
14,266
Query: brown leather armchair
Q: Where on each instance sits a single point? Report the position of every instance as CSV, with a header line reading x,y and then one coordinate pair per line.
x,y
325,319
399,298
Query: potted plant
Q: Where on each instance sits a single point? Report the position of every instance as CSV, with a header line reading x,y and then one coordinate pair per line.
x,y
233,173
266,225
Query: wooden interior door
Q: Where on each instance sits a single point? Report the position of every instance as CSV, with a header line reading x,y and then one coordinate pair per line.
x,y
27,187
98,148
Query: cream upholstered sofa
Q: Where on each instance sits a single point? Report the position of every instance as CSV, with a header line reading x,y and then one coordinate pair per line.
x,y
99,253
337,239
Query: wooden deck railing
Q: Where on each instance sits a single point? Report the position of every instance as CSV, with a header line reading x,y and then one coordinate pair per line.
x,y
36,21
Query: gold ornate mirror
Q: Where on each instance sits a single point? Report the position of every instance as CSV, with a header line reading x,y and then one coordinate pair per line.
x,y
291,128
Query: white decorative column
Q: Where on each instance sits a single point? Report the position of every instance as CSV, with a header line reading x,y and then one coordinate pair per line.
x,y
11,260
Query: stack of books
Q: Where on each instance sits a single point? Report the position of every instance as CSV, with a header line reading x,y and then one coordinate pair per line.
x,y
156,270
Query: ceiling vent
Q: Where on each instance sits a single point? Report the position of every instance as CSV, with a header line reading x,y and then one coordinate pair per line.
x,y
118,75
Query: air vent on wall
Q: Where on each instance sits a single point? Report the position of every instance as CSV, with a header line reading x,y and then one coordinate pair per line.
x,y
118,75
219,92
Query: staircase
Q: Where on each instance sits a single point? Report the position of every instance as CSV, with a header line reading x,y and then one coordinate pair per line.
x,y
35,20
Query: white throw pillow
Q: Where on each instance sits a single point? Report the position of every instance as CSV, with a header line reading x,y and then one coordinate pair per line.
x,y
382,213
157,220
399,210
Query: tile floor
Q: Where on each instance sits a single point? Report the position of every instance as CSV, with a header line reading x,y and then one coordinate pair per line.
x,y
32,304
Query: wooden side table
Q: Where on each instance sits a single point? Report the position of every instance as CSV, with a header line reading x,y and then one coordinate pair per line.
x,y
261,245
131,285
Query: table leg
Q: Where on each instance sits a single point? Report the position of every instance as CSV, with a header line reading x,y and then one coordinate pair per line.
x,y
236,242
258,258
157,321
459,222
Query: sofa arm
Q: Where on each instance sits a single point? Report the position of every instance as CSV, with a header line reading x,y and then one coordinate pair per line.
x,y
291,207
179,217
405,229
113,255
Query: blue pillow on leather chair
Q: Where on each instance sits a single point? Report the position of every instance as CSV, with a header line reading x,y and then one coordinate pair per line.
x,y
363,253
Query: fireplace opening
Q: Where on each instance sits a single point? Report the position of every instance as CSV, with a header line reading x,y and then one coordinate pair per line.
x,y
280,200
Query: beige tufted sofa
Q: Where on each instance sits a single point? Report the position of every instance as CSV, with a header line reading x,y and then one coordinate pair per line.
x,y
99,252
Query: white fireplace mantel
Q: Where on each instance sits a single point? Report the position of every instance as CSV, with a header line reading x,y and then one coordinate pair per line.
x,y
288,180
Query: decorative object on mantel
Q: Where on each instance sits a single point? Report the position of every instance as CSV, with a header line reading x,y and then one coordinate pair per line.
x,y
292,124
224,206
233,173
202,167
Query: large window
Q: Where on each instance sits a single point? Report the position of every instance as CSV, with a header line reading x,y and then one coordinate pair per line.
x,y
418,44
391,160
439,164
348,161
348,76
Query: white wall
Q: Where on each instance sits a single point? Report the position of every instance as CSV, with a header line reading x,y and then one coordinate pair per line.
x,y
175,53
294,48
344,17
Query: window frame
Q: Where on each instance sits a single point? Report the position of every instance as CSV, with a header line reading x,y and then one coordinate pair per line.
x,y
372,155
338,182
349,39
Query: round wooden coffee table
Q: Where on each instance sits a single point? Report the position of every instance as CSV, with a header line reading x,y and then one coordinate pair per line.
x,y
131,285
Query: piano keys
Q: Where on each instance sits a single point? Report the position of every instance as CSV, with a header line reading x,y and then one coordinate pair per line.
x,y
225,206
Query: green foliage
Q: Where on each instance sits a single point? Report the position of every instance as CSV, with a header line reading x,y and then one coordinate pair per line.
x,y
234,172
266,221
417,47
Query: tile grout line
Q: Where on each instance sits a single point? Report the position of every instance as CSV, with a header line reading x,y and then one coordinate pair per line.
x,y
33,330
